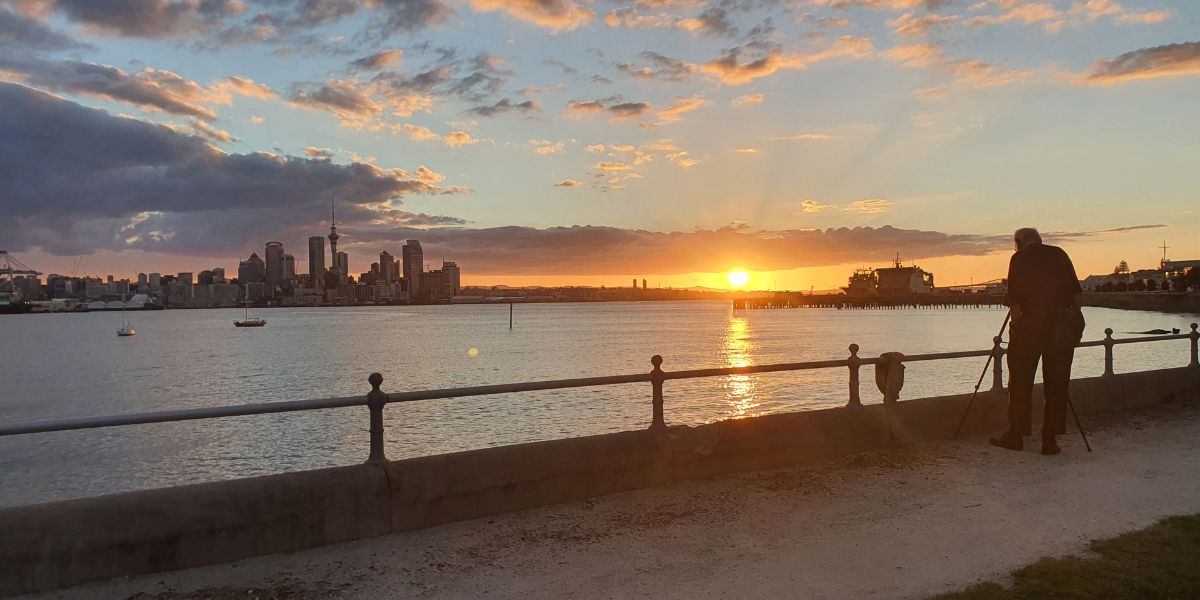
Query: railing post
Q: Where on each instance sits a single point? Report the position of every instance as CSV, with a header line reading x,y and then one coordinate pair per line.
x,y
998,367
375,402
854,363
1108,352
657,422
1195,362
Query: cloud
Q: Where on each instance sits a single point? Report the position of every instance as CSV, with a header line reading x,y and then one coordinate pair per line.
x,y
417,133
747,100
379,60
1027,13
544,147
966,72
21,32
593,250
870,206
661,68
912,25
1172,60
245,87
148,89
730,69
316,152
504,105
356,104
221,23
557,15
619,110
682,105
567,183
802,137
193,198
812,206
458,139
746,150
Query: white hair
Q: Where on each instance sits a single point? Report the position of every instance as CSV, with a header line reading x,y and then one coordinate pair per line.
x,y
1026,237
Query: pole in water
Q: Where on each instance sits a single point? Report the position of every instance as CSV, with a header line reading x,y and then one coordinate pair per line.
x,y
510,316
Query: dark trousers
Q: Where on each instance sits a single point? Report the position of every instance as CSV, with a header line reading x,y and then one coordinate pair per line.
x,y
1024,352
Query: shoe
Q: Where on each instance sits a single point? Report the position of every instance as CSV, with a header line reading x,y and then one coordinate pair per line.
x,y
1050,447
1009,440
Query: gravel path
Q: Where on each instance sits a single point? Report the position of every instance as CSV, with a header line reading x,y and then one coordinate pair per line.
x,y
900,524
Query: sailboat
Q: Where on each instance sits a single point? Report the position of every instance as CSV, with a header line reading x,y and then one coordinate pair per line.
x,y
249,321
126,329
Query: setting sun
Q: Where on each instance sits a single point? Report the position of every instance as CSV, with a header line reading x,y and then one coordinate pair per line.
x,y
737,279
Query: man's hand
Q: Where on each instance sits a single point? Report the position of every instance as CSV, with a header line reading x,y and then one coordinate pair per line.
x,y
1014,311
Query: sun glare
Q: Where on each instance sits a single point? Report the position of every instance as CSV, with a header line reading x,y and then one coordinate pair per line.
x,y
737,279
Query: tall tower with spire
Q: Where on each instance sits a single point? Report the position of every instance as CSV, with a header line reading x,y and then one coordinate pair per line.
x,y
333,237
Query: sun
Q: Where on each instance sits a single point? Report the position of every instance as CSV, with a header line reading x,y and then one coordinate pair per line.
x,y
737,279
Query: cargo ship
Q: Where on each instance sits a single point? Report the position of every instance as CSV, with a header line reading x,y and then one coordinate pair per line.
x,y
896,280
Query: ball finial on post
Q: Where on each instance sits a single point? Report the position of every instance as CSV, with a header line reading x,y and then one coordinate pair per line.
x,y
376,399
657,420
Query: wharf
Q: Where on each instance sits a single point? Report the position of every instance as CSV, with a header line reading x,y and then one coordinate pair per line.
x,y
844,302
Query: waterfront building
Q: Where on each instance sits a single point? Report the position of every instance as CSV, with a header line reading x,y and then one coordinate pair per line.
x,y
343,264
452,278
316,258
218,274
142,281
289,267
251,270
414,265
387,267
274,267
185,278
205,277
155,281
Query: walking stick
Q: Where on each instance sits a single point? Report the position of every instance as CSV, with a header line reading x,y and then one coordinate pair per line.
x,y
1077,424
980,382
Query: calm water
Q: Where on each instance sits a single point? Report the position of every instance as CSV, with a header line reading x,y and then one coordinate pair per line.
x,y
70,365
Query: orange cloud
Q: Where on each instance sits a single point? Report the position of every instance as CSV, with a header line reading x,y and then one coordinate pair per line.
x,y
559,15
458,139
1173,60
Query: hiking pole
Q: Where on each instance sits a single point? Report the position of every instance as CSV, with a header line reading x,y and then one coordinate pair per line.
x,y
1077,424
980,382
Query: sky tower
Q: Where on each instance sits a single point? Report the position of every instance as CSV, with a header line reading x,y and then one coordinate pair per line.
x,y
333,237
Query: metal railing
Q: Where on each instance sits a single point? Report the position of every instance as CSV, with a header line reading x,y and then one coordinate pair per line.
x,y
376,399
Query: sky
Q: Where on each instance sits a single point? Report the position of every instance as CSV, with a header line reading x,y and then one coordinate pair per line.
x,y
588,142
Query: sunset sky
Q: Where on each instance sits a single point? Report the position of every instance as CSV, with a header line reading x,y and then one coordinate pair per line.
x,y
589,142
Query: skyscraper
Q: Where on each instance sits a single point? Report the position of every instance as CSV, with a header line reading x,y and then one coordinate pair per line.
x,y
316,259
450,273
387,267
274,254
289,267
343,263
251,270
414,264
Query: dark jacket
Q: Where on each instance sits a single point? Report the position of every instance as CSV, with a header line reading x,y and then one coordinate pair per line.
x,y
1042,281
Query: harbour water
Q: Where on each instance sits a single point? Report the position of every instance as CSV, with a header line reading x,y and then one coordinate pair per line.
x,y
73,365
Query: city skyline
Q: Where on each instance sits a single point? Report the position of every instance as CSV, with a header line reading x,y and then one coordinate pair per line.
x,y
584,143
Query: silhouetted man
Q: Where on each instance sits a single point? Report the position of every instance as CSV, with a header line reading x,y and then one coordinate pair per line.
x,y
1042,287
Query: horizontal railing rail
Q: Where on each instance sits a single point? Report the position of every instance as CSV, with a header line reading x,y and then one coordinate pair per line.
x,y
376,399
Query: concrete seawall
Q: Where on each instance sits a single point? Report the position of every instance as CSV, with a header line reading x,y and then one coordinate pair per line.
x,y
61,543
1169,303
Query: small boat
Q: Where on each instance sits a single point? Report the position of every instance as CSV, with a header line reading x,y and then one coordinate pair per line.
x,y
126,329
249,321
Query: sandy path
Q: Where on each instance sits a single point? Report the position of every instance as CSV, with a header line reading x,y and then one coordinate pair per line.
x,y
902,524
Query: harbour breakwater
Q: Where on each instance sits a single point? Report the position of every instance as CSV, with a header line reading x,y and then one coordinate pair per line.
x,y
56,544
1152,301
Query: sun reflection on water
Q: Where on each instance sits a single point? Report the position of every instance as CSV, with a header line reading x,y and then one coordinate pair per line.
x,y
740,390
